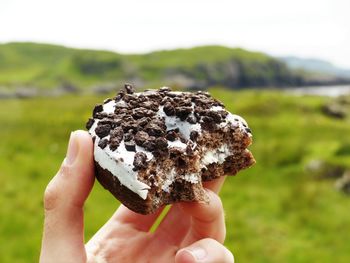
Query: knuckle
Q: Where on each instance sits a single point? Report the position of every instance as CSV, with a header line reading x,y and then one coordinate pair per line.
x,y
52,191
50,197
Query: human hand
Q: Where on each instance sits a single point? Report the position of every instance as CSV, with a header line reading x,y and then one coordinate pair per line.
x,y
190,232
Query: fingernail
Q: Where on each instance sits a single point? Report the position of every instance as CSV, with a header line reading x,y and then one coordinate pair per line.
x,y
198,253
72,150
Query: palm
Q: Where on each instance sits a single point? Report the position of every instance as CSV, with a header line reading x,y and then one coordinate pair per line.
x,y
126,235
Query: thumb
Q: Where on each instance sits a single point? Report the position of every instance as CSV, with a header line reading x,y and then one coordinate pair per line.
x,y
63,238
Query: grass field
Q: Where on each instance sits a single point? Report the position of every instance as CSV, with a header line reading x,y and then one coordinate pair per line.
x,y
275,212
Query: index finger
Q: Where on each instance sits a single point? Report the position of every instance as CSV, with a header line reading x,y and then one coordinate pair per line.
x,y
207,219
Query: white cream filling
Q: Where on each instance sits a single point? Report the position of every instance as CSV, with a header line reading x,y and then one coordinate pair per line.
x,y
173,122
177,144
171,176
109,107
215,156
123,170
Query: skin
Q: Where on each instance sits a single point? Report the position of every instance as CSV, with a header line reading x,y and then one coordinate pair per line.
x,y
190,232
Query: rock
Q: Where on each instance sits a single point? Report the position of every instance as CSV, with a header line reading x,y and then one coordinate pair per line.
x,y
343,183
335,110
320,169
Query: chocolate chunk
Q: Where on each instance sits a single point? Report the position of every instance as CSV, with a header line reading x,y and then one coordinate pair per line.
x,y
114,144
107,100
169,109
208,123
149,105
140,160
186,102
171,135
139,113
150,144
194,135
165,100
103,143
154,130
189,149
160,123
161,143
117,122
215,115
144,121
128,97
128,136
98,108
117,134
191,119
141,137
107,121
248,130
89,123
223,113
102,130
100,115
130,145
183,112
130,125
206,94
129,88
164,89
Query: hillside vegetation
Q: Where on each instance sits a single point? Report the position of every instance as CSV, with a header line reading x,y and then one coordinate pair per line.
x,y
45,66
275,211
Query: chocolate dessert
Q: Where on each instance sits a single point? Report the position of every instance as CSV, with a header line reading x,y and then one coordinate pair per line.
x,y
157,147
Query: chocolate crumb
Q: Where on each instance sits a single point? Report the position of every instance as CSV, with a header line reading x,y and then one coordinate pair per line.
x,y
107,100
191,119
141,137
129,88
150,145
130,146
215,115
117,134
183,112
169,109
102,130
161,143
103,143
194,135
128,136
164,89
171,135
100,115
89,123
98,108
140,160
154,130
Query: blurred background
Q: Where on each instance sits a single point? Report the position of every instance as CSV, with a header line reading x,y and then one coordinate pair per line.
x,y
283,65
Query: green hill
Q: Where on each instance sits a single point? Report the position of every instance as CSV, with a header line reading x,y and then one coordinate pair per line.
x,y
46,66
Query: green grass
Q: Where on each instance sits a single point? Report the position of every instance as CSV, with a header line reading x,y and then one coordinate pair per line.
x,y
275,212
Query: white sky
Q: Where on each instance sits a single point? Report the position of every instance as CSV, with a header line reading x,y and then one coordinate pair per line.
x,y
306,28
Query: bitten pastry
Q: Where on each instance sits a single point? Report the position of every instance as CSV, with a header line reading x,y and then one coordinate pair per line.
x,y
157,147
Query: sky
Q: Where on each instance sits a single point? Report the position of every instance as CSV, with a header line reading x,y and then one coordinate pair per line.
x,y
305,28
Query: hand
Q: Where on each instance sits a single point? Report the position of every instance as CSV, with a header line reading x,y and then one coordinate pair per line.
x,y
190,232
